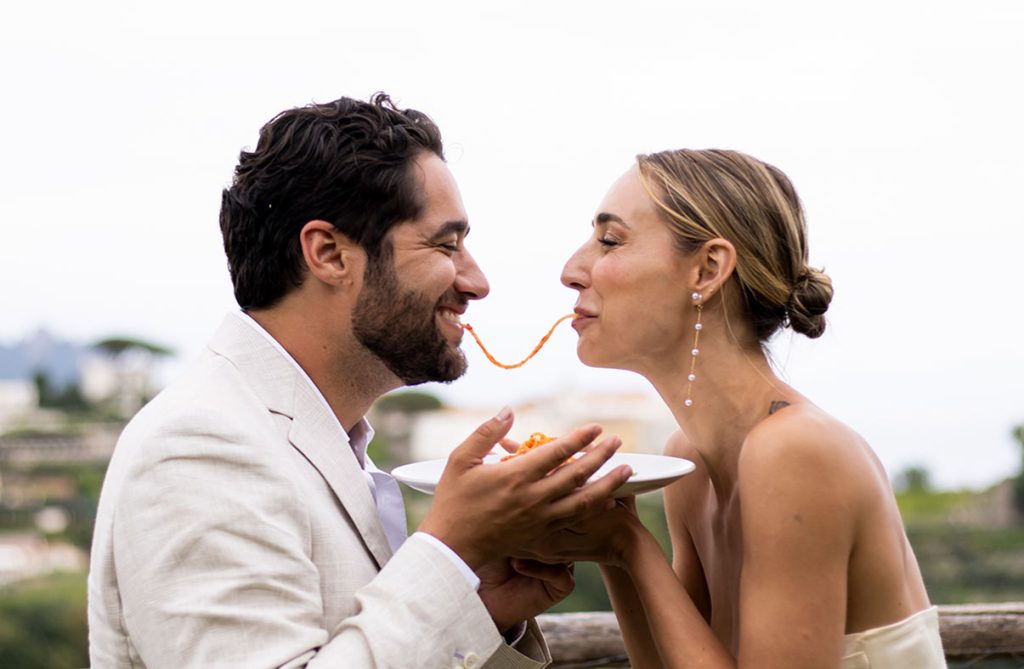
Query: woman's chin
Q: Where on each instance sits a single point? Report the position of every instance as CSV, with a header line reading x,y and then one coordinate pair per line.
x,y
593,358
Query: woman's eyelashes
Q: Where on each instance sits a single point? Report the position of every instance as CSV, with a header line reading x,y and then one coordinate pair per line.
x,y
607,241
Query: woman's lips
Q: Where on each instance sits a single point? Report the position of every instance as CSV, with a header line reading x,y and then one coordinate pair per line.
x,y
582,320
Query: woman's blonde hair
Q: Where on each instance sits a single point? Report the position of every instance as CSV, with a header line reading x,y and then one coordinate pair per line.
x,y
715,193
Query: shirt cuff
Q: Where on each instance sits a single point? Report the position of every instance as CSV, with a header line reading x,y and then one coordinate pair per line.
x,y
471,578
515,634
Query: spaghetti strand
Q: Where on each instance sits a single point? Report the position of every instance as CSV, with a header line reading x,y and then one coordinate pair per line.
x,y
469,328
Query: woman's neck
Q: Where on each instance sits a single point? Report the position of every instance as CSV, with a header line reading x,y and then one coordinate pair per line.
x,y
733,391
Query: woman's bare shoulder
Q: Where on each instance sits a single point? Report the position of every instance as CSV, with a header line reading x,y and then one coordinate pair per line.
x,y
802,440
802,429
804,474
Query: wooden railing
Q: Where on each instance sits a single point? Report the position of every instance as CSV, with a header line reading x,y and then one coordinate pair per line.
x,y
969,632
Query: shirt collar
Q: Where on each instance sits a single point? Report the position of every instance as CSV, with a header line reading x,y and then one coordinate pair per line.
x,y
361,434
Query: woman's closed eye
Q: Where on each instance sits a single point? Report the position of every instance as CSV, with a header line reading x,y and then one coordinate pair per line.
x,y
607,241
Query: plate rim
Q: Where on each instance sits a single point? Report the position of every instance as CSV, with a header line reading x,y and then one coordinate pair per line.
x,y
417,483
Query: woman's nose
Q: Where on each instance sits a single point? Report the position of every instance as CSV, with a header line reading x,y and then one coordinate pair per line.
x,y
575,274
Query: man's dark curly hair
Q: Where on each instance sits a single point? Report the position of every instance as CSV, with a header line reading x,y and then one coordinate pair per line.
x,y
347,162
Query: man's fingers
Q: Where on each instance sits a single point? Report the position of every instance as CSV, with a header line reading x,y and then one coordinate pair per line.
x,y
483,439
541,460
590,498
575,474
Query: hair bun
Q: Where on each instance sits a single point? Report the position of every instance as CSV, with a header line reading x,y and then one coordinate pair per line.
x,y
808,302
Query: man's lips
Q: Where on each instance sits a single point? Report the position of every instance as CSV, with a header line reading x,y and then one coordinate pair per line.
x,y
452,314
450,317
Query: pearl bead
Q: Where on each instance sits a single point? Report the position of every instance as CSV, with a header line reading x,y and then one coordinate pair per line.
x,y
694,352
695,296
692,377
698,326
688,403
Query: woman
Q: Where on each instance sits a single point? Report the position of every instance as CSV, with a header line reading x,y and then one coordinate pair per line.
x,y
788,548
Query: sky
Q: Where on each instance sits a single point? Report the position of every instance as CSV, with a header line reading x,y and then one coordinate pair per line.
x,y
898,122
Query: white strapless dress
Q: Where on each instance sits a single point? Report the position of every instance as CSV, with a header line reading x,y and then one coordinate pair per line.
x,y
912,643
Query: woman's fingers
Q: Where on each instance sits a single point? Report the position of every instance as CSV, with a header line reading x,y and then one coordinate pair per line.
x,y
541,570
558,578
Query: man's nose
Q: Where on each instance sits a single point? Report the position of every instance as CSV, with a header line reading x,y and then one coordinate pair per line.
x,y
470,280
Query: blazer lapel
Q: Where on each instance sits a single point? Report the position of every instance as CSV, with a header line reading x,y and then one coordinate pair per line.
x,y
314,431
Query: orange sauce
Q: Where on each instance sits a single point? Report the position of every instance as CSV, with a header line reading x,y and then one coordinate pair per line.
x,y
535,440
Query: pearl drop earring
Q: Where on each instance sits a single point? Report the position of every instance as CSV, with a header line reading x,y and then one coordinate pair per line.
x,y
692,376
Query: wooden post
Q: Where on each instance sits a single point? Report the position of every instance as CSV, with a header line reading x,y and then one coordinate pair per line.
x,y
974,631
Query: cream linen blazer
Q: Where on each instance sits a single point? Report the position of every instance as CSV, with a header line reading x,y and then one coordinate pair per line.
x,y
236,529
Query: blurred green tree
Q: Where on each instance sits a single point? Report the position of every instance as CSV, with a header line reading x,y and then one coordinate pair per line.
x,y
118,345
914,479
134,360
409,401
68,398
43,623
392,421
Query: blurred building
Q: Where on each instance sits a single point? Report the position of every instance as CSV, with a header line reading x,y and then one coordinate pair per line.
x,y
17,398
115,374
26,554
125,381
995,507
93,442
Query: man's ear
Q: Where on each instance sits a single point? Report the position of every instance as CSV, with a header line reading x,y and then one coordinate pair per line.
x,y
716,263
331,256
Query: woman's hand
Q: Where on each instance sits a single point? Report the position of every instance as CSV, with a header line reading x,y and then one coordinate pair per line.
x,y
607,537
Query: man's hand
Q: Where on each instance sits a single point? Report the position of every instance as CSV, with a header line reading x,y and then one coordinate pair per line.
x,y
514,590
608,538
488,512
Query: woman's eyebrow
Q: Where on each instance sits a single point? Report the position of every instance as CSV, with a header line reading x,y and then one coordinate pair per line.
x,y
604,217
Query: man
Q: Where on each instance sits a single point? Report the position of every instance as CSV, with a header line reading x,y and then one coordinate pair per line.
x,y
241,523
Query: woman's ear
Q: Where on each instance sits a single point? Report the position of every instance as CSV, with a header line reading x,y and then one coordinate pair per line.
x,y
717,261
331,256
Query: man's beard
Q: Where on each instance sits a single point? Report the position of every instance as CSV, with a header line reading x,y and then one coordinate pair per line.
x,y
400,328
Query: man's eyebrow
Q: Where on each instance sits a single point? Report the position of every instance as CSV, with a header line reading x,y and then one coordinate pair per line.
x,y
604,217
449,228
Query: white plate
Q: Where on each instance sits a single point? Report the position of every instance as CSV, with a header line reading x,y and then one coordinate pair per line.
x,y
650,472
